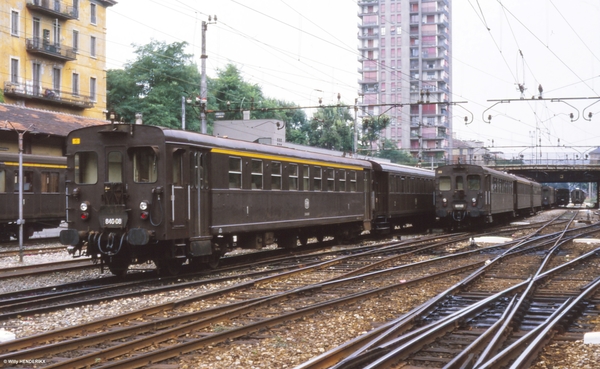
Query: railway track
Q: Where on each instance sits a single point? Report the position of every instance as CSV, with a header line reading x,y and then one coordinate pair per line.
x,y
293,295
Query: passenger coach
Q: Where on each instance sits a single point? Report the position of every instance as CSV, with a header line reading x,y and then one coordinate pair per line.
x,y
43,196
139,193
471,194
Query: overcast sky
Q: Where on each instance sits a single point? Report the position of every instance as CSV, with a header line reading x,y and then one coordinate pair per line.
x,y
302,50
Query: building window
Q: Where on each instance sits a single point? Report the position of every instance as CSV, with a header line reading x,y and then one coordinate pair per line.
x,y
56,29
257,174
14,70
56,79
76,8
37,78
93,13
235,172
14,23
37,30
293,177
92,88
75,84
93,47
275,175
75,40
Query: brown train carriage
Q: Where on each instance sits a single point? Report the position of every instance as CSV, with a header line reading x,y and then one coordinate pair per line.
x,y
43,197
549,194
403,196
139,193
472,193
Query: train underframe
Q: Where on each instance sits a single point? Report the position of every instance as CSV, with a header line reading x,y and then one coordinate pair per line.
x,y
118,250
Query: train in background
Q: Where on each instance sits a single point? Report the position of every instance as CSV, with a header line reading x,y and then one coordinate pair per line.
x,y
43,193
562,196
140,193
549,195
578,196
468,194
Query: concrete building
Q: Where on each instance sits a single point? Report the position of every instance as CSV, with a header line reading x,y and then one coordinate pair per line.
x,y
266,131
405,52
53,55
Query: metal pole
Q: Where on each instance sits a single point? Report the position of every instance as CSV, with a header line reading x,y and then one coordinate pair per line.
x,y
21,221
203,88
355,143
183,112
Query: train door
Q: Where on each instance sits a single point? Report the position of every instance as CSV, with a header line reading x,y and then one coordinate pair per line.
x,y
180,207
195,187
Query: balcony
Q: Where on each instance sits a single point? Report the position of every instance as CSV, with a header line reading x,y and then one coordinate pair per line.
x,y
46,48
38,92
54,9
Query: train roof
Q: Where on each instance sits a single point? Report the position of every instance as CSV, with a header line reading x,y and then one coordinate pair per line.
x,y
472,167
404,169
233,146
32,159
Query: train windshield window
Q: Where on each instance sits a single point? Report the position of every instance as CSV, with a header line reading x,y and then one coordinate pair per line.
x,y
474,182
257,174
445,183
114,167
459,183
235,172
2,180
293,177
144,165
275,175
86,168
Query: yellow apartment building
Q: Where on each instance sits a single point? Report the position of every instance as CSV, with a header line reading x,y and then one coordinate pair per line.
x,y
53,55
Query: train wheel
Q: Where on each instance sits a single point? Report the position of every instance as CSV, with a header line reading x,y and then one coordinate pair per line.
x,y
303,239
214,262
287,241
118,269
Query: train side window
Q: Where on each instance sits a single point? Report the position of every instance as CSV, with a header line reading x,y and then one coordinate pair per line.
x,y
197,169
318,178
2,180
330,179
402,184
27,181
178,167
293,172
275,175
459,183
114,167
474,182
144,165
86,168
257,174
352,178
342,180
306,178
235,172
49,182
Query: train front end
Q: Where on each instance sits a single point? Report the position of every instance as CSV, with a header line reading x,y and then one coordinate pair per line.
x,y
459,195
115,199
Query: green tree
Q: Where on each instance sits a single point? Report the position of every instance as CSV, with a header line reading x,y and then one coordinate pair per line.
x,y
331,128
154,84
390,151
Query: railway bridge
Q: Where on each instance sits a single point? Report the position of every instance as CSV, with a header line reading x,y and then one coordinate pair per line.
x,y
546,173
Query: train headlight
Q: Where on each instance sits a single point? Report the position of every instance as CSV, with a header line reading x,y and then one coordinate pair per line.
x,y
474,201
144,205
444,202
84,206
